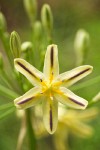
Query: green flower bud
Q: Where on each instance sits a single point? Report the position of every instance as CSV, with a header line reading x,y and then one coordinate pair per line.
x,y
81,46
96,98
47,18
15,44
1,62
31,9
37,28
26,46
3,25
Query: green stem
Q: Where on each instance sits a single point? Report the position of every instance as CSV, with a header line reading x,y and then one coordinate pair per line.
x,y
6,106
10,81
4,81
5,42
7,92
8,112
31,135
86,83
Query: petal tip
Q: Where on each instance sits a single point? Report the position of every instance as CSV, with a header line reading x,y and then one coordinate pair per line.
x,y
85,104
52,132
16,59
16,104
90,68
52,46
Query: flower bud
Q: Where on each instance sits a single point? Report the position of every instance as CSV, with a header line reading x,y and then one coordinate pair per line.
x,y
26,46
15,44
96,98
3,25
31,9
81,46
37,28
47,18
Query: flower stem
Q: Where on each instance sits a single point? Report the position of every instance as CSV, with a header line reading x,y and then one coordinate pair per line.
x,y
8,92
6,113
5,42
30,131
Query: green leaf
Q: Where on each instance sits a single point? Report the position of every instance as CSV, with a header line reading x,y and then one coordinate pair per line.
x,y
8,92
6,106
8,112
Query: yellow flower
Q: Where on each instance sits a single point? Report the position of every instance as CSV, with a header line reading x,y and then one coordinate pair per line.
x,y
50,87
74,122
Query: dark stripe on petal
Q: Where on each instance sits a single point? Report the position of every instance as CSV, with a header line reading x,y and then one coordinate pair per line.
x,y
51,122
25,100
41,80
27,69
79,74
75,101
52,56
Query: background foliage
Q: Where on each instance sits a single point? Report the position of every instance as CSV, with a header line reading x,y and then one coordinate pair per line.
x,y
69,16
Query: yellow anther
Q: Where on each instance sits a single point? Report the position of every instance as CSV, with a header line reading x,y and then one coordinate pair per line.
x,y
57,83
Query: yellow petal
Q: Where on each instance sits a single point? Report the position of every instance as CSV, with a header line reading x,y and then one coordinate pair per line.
x,y
51,64
70,77
78,128
50,114
30,72
68,98
88,114
29,99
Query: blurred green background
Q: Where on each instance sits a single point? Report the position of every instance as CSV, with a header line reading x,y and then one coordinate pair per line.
x,y
69,16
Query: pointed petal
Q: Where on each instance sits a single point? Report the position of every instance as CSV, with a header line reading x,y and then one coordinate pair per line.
x,y
51,64
29,99
78,128
88,114
30,72
70,77
68,98
50,114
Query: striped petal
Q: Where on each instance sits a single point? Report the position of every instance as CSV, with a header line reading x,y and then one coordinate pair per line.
x,y
30,72
51,64
29,99
68,98
70,77
50,114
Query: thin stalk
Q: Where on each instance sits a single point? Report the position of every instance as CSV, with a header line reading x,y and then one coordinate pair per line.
x,y
30,131
4,81
22,134
6,106
8,92
8,112
5,42
10,81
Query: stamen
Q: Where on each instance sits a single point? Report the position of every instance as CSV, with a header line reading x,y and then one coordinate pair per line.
x,y
75,101
58,91
51,77
57,83
44,84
